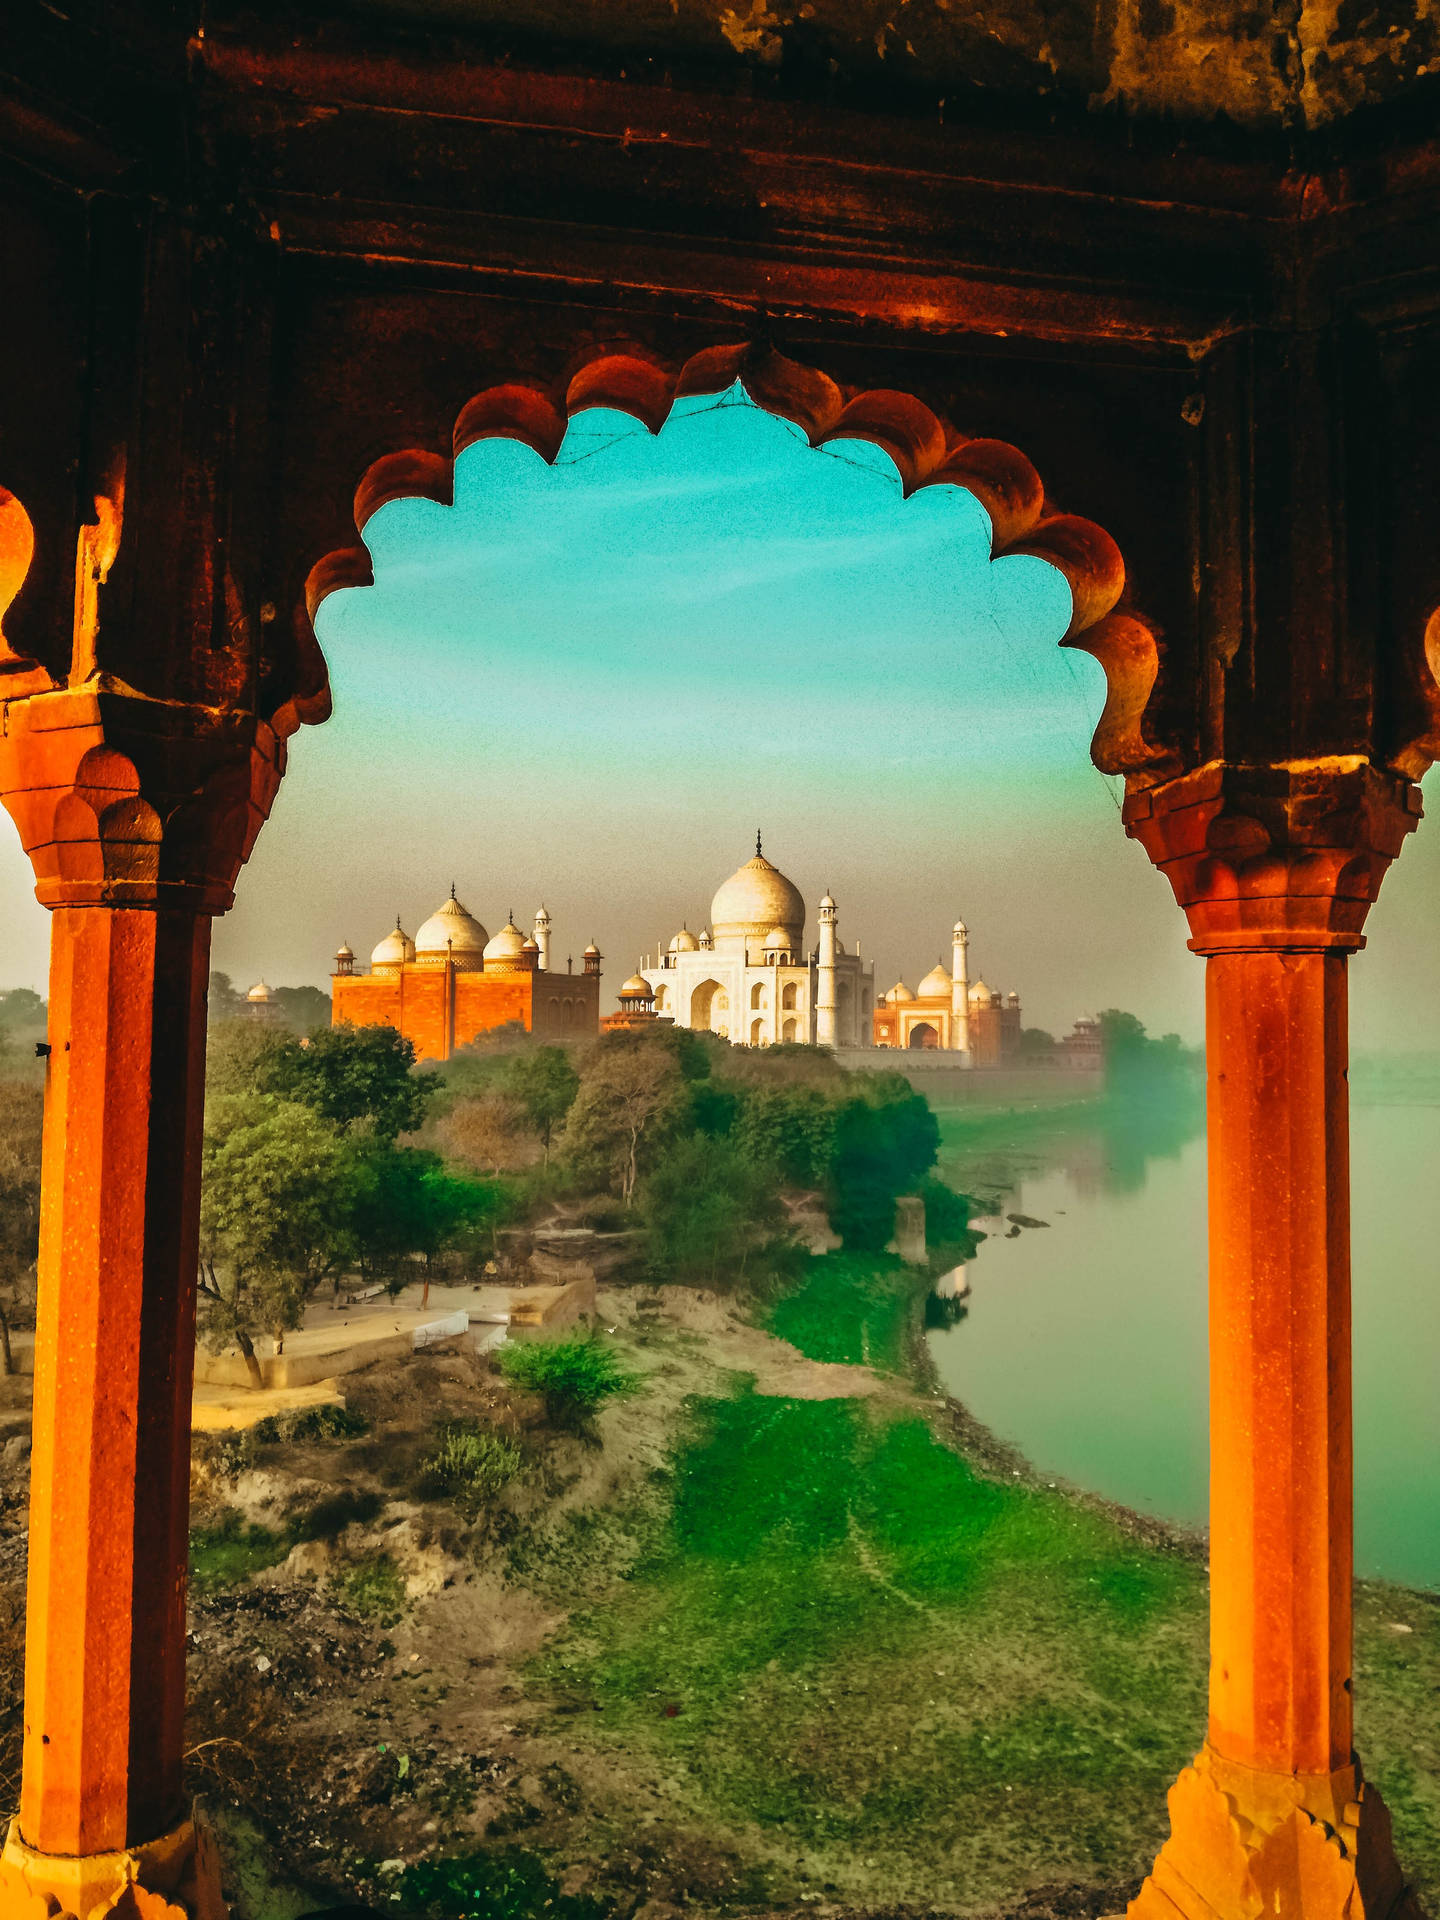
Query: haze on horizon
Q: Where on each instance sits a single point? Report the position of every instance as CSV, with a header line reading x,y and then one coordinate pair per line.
x,y
591,683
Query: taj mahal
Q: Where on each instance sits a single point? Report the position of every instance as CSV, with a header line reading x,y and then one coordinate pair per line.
x,y
750,976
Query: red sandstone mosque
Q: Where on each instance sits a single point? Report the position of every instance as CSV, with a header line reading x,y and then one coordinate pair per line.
x,y
453,982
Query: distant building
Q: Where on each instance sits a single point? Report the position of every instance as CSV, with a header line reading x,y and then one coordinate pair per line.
x,y
637,1008
261,1004
453,982
749,977
948,1014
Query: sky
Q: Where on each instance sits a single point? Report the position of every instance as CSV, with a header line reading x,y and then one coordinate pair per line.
x,y
590,684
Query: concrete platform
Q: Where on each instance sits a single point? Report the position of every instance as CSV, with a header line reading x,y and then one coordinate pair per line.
x,y
226,1409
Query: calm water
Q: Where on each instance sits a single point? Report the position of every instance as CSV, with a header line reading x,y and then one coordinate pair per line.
x,y
1084,1342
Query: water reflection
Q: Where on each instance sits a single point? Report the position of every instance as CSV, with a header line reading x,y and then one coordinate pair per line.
x,y
1085,1344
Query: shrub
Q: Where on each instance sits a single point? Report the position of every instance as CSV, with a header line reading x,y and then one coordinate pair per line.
x,y
229,1552
373,1588
471,1466
329,1518
575,1376
326,1423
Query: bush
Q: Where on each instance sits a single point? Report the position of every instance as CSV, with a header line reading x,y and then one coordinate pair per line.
x,y
471,1466
373,1588
575,1376
947,1215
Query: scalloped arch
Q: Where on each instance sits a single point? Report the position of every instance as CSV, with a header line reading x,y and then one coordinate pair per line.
x,y
926,452
17,550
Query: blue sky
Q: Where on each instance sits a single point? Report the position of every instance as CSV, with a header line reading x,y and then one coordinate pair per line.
x,y
590,683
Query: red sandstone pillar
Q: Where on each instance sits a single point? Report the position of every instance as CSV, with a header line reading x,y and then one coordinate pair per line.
x,y
1276,870
137,817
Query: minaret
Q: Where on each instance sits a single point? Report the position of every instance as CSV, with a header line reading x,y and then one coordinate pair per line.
x,y
542,937
825,1035
960,989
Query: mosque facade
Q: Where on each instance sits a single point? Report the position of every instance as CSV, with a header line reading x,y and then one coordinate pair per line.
x,y
751,977
950,1013
453,982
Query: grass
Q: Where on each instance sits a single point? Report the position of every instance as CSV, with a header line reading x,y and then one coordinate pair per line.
x,y
373,1587
844,1637
504,1884
850,1307
230,1551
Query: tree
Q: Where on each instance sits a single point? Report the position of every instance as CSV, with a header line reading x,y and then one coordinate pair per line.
x,y
705,1205
21,1111
487,1132
354,1076
274,1217
790,1129
303,1008
886,1139
224,1003
543,1084
237,1055
1036,1040
632,1092
21,1007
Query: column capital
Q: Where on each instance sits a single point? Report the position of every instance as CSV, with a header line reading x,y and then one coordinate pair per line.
x,y
124,801
1279,857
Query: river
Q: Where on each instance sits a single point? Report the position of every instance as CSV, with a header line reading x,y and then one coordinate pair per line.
x,y
1083,1342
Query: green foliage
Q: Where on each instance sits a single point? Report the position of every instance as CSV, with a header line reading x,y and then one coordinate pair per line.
x,y
354,1076
373,1587
885,1140
844,1633
303,1009
231,1551
22,1009
471,1466
324,1423
508,1884
543,1084
790,1130
273,1219
632,1098
1137,1064
1036,1040
574,1376
852,1308
703,1207
947,1216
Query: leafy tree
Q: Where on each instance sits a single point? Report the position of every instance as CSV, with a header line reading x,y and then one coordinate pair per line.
x,y
224,1002
353,1076
487,1132
886,1139
789,1129
1136,1064
21,1110
704,1206
273,1217
543,1084
21,1007
1036,1040
632,1093
303,1008
237,1055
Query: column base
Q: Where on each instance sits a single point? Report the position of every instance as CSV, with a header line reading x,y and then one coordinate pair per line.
x,y
176,1877
1267,1846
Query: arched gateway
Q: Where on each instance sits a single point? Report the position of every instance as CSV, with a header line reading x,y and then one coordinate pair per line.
x,y
168,541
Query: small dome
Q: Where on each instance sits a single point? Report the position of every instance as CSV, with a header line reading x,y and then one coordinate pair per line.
x,y
961,930
755,898
592,951
395,949
777,941
980,994
344,951
507,948
935,984
827,905
260,993
542,915
451,932
684,942
530,946
898,993
637,987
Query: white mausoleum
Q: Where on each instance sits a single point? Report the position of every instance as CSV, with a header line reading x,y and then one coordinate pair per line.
x,y
752,977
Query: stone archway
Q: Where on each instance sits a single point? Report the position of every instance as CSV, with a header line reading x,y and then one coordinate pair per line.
x,y
152,803
922,1037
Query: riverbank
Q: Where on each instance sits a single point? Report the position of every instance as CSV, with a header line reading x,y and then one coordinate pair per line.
x,y
784,1634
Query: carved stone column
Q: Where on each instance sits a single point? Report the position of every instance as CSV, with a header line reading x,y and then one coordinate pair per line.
x,y
1276,868
137,816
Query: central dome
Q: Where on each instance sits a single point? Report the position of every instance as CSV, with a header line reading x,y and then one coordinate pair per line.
x,y
756,899
451,932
